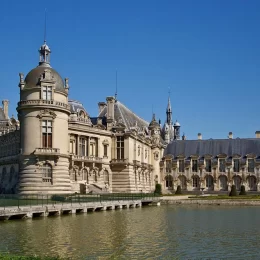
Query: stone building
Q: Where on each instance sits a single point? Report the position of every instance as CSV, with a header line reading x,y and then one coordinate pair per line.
x,y
213,165
57,147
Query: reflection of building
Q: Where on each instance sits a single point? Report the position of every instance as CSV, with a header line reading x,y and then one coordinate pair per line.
x,y
212,164
59,148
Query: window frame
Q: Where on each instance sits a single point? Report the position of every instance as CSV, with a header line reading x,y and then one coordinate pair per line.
x,y
47,92
47,173
46,136
120,147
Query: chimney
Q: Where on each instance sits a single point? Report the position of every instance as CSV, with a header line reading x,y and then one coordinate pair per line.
x,y
110,111
5,107
183,137
199,136
257,134
101,106
230,135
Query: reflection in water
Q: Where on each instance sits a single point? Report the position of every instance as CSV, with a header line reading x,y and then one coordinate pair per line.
x,y
169,232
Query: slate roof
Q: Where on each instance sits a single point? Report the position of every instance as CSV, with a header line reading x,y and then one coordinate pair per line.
x,y
214,147
76,106
124,114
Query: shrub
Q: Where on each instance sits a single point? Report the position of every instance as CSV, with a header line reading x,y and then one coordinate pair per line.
x,y
243,190
178,191
58,198
158,189
233,191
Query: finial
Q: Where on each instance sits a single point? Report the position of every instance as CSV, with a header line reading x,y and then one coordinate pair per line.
x,y
169,91
116,87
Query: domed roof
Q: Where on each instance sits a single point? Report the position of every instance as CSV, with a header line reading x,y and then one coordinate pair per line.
x,y
32,79
45,47
177,123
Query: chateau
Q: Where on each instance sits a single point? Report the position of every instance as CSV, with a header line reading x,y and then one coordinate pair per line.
x,y
55,146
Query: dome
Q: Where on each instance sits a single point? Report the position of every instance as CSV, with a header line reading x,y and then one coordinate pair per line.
x,y
177,123
32,79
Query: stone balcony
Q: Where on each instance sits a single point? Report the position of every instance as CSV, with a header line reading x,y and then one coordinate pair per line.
x,y
92,159
47,151
41,102
119,162
80,120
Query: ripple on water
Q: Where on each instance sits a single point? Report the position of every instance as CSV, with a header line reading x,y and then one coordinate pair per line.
x,y
166,232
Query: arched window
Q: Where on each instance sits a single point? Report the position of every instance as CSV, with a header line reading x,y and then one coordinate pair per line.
x,y
12,172
252,183
209,182
182,182
223,182
196,181
46,170
168,182
106,177
237,182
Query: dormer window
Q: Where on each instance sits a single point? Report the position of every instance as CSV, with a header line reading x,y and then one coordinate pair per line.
x,y
236,165
47,93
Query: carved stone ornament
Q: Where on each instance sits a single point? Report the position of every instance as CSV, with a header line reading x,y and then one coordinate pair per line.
x,y
46,113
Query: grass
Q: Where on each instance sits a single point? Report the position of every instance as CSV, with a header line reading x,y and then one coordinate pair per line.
x,y
173,195
226,197
14,257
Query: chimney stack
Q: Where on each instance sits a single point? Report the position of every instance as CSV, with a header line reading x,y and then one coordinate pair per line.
x,y
101,106
199,136
183,137
110,112
230,135
257,134
5,107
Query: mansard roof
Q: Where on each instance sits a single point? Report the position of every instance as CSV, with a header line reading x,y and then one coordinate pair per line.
x,y
126,116
76,107
214,147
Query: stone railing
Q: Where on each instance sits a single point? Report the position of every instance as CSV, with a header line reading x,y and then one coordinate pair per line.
x,y
119,161
42,102
53,151
86,158
80,120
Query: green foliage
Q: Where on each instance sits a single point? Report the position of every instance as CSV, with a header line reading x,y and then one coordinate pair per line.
x,y
233,191
243,190
158,189
58,198
14,257
178,191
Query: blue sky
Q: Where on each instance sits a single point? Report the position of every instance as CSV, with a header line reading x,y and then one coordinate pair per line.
x,y
206,51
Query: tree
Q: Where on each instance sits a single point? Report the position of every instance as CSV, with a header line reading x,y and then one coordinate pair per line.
x,y
233,191
158,189
178,191
243,190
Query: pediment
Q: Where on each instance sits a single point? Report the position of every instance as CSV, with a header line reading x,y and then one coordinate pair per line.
x,y
251,155
222,155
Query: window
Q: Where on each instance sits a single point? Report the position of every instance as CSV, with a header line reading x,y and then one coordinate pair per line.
x,y
47,93
236,165
209,181
105,150
46,134
181,165
195,182
3,174
194,165
46,173
120,147
168,166
222,166
208,165
251,165
82,146
106,177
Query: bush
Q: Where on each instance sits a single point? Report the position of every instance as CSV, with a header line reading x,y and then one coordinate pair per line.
x,y
178,191
158,189
233,191
243,190
58,198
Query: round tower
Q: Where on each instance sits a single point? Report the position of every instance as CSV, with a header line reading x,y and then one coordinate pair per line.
x,y
43,112
177,128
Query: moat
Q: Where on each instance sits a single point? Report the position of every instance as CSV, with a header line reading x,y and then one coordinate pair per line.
x,y
168,231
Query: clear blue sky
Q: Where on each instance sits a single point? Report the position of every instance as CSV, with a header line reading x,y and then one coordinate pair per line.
x,y
206,51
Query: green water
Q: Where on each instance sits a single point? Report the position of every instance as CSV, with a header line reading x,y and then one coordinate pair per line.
x,y
165,232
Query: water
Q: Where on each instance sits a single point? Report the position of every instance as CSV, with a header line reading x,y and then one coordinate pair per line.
x,y
166,232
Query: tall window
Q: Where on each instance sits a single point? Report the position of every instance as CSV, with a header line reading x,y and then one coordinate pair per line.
x,y
195,182
82,146
222,166
168,166
181,165
46,134
47,93
236,165
208,165
194,165
209,181
251,165
105,150
120,147
46,173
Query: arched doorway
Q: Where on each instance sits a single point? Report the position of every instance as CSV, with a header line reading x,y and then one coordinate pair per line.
x,y
209,182
223,183
168,182
252,183
237,182
182,182
196,182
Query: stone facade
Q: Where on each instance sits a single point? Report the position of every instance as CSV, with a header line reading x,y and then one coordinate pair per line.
x,y
56,147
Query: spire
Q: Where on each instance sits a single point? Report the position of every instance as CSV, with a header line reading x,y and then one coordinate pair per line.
x,y
44,49
169,110
116,87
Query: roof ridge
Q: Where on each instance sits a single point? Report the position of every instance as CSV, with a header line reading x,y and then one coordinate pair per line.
x,y
133,112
